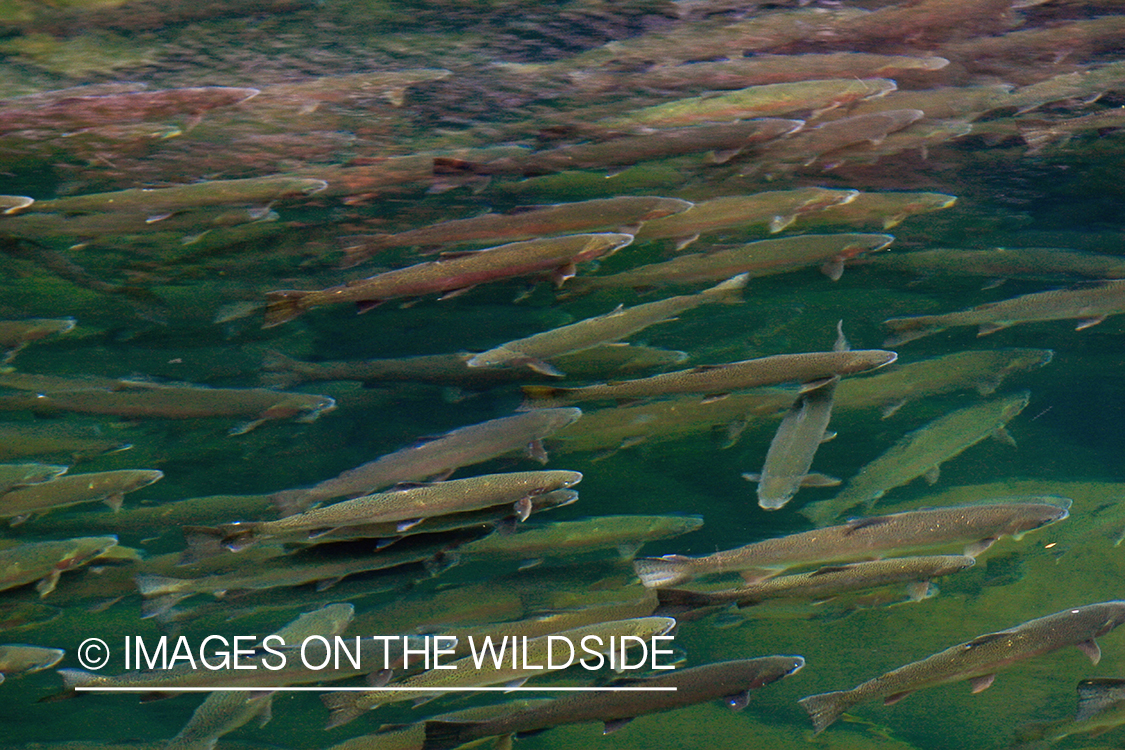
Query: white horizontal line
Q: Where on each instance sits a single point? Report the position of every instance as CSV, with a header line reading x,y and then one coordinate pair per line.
x,y
291,689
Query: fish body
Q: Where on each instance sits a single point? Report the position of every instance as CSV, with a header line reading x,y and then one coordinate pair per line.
x,y
465,673
882,210
716,380
818,143
154,201
761,258
977,660
16,334
776,209
726,138
1088,305
534,351
20,659
618,214
454,370
793,448
109,487
220,714
1006,262
13,476
140,398
46,561
982,370
974,527
737,73
562,538
70,109
408,506
619,427
453,272
826,582
437,457
921,453
730,680
770,100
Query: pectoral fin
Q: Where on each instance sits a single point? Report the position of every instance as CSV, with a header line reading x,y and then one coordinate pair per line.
x,y
1091,649
614,724
981,683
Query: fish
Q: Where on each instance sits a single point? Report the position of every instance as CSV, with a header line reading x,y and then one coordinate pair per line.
x,y
974,527
1005,263
740,72
411,736
437,457
535,351
921,453
982,370
769,100
109,487
43,562
625,533
405,507
142,398
71,109
306,96
453,369
162,592
464,672
71,441
715,381
1101,701
762,258
157,201
826,582
724,140
16,334
977,660
803,428
452,273
220,714
731,681
829,141
776,209
882,210
14,203
13,476
1088,305
617,428
20,659
624,213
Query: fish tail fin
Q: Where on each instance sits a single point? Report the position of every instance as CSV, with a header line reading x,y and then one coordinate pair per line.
x,y
825,708
283,306
730,291
545,393
820,513
663,571
909,329
682,598
343,708
203,542
281,371
291,502
356,254
150,585
75,678
442,735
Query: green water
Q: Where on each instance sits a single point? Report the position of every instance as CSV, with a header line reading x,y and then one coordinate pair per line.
x,y
1069,438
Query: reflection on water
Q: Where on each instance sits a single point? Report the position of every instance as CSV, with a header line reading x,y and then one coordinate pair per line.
x,y
199,197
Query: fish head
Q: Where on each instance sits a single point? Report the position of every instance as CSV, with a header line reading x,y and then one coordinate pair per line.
x,y
776,668
1032,516
1111,614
